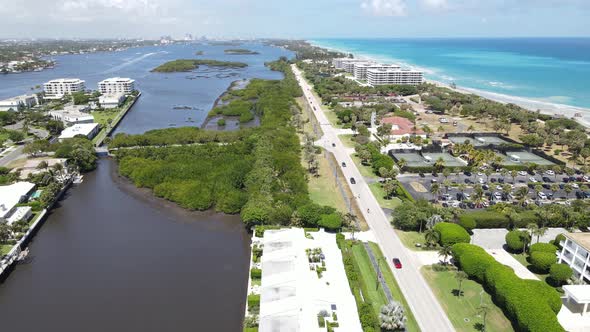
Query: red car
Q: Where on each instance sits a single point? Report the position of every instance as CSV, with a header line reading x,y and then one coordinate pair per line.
x,y
397,263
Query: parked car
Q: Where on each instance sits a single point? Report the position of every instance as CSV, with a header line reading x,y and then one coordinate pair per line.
x,y
493,180
550,172
542,195
481,181
497,196
501,180
397,263
352,181
533,179
446,197
522,173
433,181
485,187
575,186
546,179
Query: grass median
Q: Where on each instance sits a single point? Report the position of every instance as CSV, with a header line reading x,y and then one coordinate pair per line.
x,y
379,194
463,311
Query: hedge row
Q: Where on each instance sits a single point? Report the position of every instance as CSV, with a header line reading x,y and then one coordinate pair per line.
x,y
493,219
451,234
532,305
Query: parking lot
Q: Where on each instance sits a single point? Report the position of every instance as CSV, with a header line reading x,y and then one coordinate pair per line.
x,y
420,187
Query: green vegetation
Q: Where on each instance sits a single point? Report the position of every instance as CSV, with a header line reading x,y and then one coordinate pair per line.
x,y
381,196
517,240
255,172
238,107
450,234
362,280
78,152
542,261
221,122
532,305
463,310
560,273
191,64
239,51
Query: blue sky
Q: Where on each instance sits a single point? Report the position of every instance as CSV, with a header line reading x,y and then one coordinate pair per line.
x,y
294,19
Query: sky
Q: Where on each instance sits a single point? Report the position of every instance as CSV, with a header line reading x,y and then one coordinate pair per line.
x,y
293,19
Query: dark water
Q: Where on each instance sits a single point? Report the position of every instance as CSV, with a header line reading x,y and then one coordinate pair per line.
x,y
113,259
161,92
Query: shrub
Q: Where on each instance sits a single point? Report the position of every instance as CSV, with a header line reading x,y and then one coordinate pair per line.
x,y
558,239
468,223
560,273
543,247
516,240
542,261
451,234
331,221
255,273
485,219
254,303
340,240
531,304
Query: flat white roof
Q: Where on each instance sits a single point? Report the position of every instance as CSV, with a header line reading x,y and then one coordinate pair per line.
x,y
78,129
65,80
11,195
117,80
580,293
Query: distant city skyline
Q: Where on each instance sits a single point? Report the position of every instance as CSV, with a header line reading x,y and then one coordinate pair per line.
x,y
294,19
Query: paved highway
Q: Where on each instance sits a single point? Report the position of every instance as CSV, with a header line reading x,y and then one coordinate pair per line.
x,y
422,302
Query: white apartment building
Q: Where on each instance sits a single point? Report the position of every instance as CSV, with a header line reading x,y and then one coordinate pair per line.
x,y
394,76
56,89
10,196
111,101
575,252
346,63
116,86
360,69
19,101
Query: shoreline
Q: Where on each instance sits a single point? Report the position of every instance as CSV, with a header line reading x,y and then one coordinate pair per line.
x,y
528,103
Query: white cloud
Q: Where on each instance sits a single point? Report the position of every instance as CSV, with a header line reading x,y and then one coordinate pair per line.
x,y
385,7
435,4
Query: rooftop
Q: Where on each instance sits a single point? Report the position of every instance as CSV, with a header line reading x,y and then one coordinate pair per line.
x,y
401,126
582,239
65,80
78,129
12,194
117,80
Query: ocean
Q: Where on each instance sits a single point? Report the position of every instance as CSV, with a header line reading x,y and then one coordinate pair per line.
x,y
551,74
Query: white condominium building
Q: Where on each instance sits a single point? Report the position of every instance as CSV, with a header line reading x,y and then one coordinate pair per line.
x,y
346,63
360,69
56,89
575,252
394,76
116,86
15,103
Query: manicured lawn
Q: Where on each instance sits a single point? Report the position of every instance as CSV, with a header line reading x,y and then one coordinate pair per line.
x,y
522,259
366,171
347,141
323,188
103,117
396,292
462,311
375,295
379,194
409,239
5,248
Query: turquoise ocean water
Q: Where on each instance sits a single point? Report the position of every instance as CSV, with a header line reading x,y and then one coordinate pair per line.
x,y
551,71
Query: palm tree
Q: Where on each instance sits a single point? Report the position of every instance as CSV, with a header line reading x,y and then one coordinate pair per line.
x,y
568,189
483,310
445,251
539,231
521,195
435,190
554,187
460,276
432,237
513,174
392,317
402,163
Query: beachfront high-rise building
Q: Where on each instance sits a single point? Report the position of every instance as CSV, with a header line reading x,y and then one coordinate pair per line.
x,y
346,63
116,86
394,76
56,89
360,69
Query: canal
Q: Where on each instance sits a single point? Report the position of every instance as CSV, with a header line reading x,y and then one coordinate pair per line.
x,y
114,258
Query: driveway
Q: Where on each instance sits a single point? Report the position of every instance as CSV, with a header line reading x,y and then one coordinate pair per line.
x,y
495,239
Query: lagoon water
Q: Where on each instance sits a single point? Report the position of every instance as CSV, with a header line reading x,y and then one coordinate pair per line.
x,y
161,92
549,70
111,257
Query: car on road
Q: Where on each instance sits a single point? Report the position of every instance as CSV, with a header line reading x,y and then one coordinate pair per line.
x,y
522,173
397,263
343,164
333,145
352,181
542,195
